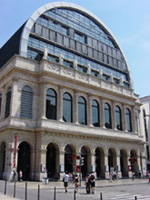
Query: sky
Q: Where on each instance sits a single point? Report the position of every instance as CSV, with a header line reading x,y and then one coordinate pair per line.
x,y
128,21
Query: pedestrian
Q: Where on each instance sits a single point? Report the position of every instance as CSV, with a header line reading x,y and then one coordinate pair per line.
x,y
92,181
110,177
76,183
14,176
139,174
133,175
66,180
87,183
70,177
20,175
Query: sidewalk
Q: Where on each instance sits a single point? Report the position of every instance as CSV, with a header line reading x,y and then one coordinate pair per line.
x,y
59,184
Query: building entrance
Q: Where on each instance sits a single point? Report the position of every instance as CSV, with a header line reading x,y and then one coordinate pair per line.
x,y
24,160
51,161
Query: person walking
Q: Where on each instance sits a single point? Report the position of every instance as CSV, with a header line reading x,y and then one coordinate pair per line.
x,y
14,176
20,176
87,184
76,183
92,181
66,180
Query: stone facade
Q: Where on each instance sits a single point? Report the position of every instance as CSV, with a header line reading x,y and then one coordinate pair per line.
x,y
39,132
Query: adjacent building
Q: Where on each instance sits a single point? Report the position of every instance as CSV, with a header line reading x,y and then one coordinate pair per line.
x,y
66,95
145,128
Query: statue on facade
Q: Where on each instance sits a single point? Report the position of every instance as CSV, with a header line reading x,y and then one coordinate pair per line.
x,y
89,68
61,58
45,52
75,64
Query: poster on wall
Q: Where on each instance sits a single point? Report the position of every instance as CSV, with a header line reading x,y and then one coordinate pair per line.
x,y
62,168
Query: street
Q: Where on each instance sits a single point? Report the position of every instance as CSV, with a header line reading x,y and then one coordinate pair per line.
x,y
114,191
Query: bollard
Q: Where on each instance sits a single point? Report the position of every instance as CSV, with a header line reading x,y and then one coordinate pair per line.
x,y
38,197
5,188
74,194
135,197
101,198
54,193
14,195
25,191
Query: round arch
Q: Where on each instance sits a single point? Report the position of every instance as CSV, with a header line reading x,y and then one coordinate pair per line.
x,y
52,160
124,162
30,22
112,159
70,164
99,161
133,161
24,159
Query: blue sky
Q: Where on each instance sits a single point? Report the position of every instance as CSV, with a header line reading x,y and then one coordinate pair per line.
x,y
128,20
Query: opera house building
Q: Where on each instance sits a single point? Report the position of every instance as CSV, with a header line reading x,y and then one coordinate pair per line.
x,y
67,99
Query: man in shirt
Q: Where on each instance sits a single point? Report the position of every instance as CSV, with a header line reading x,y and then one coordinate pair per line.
x,y
66,180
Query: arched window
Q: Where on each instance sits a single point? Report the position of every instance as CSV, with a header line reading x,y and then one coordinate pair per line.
x,y
82,111
51,104
118,118
107,115
128,120
95,113
26,102
67,107
8,102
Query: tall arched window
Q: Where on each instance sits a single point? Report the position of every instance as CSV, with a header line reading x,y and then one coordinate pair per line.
x,y
8,102
107,115
118,118
26,102
51,104
82,111
67,107
128,120
95,113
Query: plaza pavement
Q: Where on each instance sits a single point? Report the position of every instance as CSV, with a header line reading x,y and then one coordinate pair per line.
x,y
59,184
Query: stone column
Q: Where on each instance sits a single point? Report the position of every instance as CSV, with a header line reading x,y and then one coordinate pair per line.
x,y
113,116
93,166
7,174
106,164
43,162
60,104
118,164
75,107
124,126
62,163
42,100
102,114
133,119
89,111
15,103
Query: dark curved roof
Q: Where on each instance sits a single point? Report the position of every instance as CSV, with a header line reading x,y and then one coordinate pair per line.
x,y
11,47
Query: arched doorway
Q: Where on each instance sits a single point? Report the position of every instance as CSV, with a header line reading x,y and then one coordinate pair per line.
x,y
123,163
24,160
84,155
99,161
69,159
133,161
112,159
2,159
51,160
